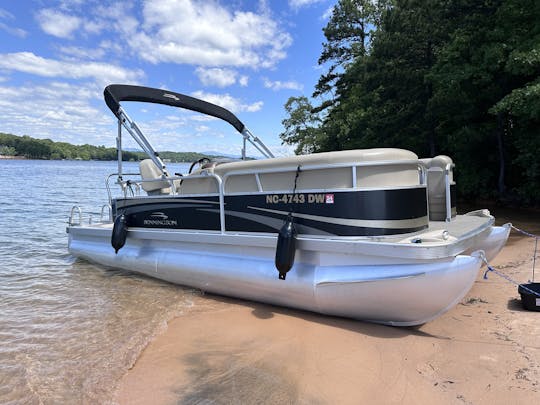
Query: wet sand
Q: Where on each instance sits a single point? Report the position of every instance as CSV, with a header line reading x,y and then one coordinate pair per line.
x,y
484,351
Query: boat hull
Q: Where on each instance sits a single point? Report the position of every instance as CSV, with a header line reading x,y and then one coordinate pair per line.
x,y
492,242
351,278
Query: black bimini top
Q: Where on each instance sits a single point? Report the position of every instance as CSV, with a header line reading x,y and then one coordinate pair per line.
x,y
115,93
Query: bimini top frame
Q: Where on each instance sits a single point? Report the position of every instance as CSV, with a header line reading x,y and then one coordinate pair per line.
x,y
115,93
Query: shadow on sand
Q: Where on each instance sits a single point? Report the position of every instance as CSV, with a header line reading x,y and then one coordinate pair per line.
x,y
267,311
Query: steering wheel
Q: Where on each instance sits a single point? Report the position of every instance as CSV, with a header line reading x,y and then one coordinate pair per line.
x,y
200,162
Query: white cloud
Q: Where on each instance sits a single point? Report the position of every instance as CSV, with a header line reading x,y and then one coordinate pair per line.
x,y
56,23
6,14
111,46
279,85
82,53
57,110
296,4
76,114
17,32
256,106
205,34
219,77
103,73
243,81
328,13
228,102
94,26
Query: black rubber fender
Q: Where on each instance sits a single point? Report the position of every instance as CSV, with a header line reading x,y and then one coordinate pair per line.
x,y
286,247
119,233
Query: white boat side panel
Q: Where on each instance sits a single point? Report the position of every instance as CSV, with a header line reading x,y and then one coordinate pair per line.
x,y
325,158
387,176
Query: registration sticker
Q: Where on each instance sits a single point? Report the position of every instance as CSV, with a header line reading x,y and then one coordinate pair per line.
x,y
329,199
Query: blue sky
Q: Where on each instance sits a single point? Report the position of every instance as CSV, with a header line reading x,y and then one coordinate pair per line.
x,y
56,56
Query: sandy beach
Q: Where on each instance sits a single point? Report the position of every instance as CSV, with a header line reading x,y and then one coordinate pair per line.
x,y
484,351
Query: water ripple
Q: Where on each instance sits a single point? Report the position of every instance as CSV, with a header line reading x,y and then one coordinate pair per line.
x,y
68,329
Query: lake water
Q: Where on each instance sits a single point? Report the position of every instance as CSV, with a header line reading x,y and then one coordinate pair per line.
x,y
68,329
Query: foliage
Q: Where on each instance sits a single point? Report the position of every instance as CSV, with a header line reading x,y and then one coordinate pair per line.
x,y
7,150
33,148
458,77
301,126
347,34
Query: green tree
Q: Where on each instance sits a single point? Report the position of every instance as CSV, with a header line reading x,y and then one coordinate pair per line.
x,y
7,150
347,38
486,97
458,77
301,128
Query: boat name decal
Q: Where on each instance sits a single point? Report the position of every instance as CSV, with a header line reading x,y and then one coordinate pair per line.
x,y
300,198
161,219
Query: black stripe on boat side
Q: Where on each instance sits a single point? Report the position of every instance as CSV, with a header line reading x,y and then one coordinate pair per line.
x,y
391,206
363,204
347,213
169,213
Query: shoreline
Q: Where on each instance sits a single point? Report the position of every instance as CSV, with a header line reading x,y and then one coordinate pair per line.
x,y
483,351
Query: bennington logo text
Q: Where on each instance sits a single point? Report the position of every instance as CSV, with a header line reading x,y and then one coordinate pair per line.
x,y
159,218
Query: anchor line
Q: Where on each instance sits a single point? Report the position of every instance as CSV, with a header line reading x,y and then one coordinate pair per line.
x,y
294,188
490,268
515,228
536,237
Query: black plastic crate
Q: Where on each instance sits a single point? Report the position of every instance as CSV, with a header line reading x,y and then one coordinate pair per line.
x,y
529,300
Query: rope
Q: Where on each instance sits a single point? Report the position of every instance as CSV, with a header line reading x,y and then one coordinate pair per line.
x,y
296,178
294,189
515,228
489,268
536,237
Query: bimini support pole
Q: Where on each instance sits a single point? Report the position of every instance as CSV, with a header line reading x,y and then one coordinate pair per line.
x,y
257,143
119,150
139,137
448,199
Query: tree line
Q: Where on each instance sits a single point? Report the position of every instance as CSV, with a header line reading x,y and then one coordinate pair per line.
x,y
453,77
32,148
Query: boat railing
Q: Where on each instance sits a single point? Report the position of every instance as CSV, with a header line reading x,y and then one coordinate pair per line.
x,y
75,209
76,216
447,172
127,187
354,166
132,188
107,207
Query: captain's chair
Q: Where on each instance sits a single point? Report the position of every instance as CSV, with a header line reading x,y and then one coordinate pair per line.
x,y
149,171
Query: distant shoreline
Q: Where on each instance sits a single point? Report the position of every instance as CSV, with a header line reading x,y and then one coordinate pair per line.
x,y
6,157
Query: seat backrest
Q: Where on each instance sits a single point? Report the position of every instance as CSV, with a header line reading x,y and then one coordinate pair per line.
x,y
436,181
149,171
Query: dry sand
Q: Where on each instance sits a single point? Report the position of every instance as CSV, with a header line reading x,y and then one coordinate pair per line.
x,y
484,351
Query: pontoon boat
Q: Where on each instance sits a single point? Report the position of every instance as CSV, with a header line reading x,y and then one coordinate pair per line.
x,y
367,234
